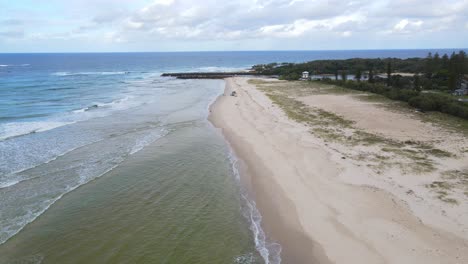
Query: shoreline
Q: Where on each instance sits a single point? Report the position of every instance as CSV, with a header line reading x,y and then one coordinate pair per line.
x,y
295,246
315,213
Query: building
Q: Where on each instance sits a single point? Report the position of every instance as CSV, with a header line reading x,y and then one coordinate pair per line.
x,y
305,75
460,92
464,84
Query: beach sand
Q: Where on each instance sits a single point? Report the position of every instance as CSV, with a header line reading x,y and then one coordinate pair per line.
x,y
323,201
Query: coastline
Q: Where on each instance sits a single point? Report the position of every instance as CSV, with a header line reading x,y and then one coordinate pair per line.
x,y
307,197
280,226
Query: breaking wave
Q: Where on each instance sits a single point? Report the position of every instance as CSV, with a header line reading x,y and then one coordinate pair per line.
x,y
90,73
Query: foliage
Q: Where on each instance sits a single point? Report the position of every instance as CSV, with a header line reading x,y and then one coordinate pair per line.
x,y
440,102
290,76
445,73
438,73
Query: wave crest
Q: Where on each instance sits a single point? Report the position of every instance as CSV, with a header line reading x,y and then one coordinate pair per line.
x,y
90,73
13,65
11,130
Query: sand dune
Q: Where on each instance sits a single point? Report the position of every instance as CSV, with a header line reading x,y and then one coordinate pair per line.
x,y
321,202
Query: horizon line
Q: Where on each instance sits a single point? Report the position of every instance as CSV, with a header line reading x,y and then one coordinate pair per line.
x,y
207,51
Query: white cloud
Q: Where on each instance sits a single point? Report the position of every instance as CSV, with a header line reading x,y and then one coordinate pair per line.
x,y
401,25
133,25
164,2
347,34
189,21
407,26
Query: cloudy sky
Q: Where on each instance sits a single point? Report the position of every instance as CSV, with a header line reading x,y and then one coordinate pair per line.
x,y
184,25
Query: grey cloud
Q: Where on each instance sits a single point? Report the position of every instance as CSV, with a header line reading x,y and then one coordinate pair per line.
x,y
109,17
241,19
212,20
246,19
426,8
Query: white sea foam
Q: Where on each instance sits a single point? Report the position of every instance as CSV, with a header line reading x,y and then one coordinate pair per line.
x,y
10,130
148,139
119,104
11,65
245,259
270,252
116,105
21,221
16,129
82,110
5,183
89,73
220,69
88,170
8,183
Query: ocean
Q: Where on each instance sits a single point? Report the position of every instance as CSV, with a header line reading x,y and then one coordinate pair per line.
x,y
102,160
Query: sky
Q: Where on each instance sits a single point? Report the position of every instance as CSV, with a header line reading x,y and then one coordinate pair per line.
x,y
204,25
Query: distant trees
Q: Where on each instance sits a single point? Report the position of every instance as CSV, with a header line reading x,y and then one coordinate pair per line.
x,y
335,70
445,61
358,75
344,75
417,82
290,76
445,73
434,72
429,69
436,62
334,67
389,73
371,75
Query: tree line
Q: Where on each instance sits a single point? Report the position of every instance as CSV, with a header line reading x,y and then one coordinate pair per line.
x,y
425,84
434,72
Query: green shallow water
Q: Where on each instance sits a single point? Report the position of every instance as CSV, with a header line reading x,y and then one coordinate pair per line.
x,y
176,201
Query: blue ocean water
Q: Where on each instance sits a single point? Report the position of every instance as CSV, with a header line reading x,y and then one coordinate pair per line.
x,y
66,119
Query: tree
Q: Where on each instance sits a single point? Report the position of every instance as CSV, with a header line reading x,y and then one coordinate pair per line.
x,y
344,75
436,63
452,79
358,75
417,82
335,70
429,69
463,62
456,69
426,83
445,62
371,75
290,76
389,73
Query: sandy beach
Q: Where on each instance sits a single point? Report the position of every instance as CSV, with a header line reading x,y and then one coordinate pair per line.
x,y
339,179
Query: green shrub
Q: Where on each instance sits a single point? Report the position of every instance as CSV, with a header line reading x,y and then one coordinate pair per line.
x,y
290,76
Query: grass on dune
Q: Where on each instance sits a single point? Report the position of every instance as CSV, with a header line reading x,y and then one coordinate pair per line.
x,y
334,128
